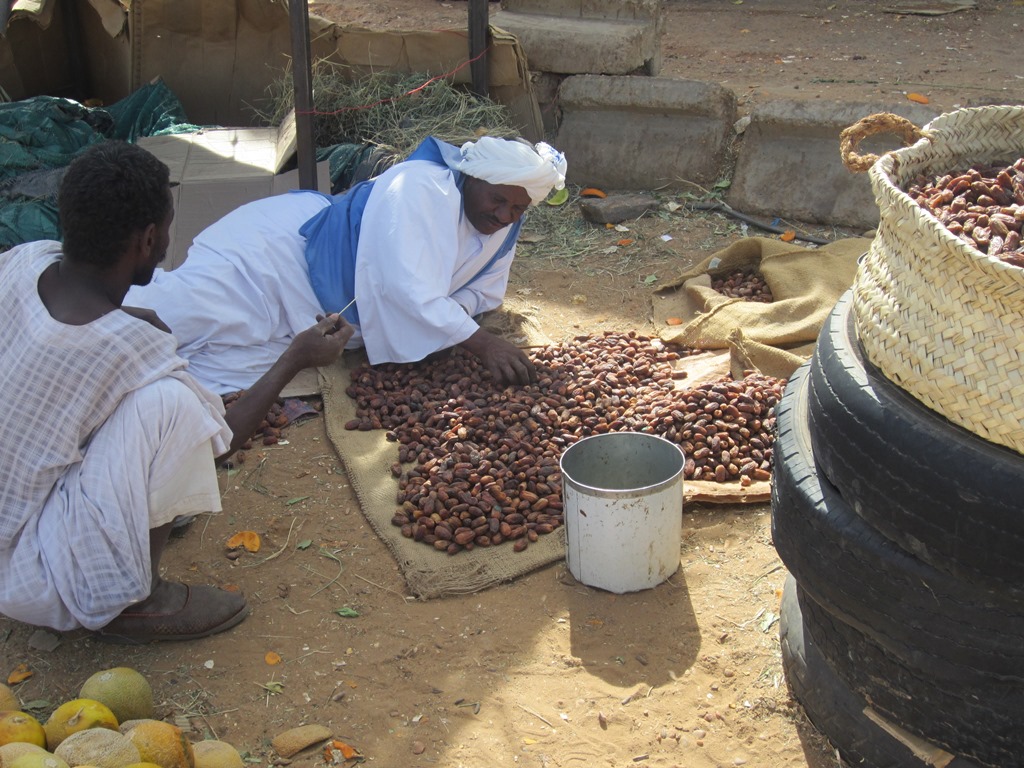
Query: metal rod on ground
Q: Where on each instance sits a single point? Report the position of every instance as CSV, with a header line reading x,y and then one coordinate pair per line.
x,y
478,22
724,208
303,84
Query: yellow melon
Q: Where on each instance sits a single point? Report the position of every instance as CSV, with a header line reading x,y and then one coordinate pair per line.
x,y
99,747
8,700
162,743
11,752
127,725
124,690
216,754
74,716
40,759
20,726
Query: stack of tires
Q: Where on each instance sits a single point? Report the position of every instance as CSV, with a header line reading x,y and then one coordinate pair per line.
x,y
904,537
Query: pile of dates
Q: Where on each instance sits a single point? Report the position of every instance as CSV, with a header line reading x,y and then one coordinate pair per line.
x,y
983,206
267,433
744,284
478,465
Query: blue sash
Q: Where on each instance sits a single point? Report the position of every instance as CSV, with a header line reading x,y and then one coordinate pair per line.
x,y
332,236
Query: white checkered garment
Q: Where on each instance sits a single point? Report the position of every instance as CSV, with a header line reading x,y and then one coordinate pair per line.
x,y
73,520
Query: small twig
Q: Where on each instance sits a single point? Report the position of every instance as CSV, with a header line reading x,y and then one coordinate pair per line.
x,y
282,549
199,711
310,653
252,477
202,536
380,586
769,572
209,725
537,715
341,570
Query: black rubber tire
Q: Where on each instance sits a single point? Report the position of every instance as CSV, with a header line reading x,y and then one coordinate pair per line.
x,y
982,723
938,490
829,701
923,616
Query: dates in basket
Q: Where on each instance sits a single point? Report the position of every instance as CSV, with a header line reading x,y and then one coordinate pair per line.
x,y
983,206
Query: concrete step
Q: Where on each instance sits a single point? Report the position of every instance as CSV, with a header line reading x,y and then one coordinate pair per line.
x,y
576,45
789,164
629,133
588,9
644,132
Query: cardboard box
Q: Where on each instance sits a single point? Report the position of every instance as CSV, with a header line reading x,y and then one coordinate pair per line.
x,y
219,56
219,169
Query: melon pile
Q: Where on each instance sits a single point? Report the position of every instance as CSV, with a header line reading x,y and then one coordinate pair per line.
x,y
109,725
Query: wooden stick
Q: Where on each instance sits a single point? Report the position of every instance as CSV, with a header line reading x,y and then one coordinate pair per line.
x,y
536,714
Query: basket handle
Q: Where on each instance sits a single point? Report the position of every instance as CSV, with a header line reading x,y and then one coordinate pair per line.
x,y
881,122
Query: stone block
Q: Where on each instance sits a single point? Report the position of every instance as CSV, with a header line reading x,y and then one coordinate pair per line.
x,y
591,9
574,45
617,208
644,132
789,163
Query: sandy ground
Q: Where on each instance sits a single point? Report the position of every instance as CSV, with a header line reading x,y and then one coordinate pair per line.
x,y
542,671
685,674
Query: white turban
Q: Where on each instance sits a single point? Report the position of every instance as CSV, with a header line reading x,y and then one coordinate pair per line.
x,y
536,169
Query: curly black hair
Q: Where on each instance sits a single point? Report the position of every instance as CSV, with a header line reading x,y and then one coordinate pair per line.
x,y
108,193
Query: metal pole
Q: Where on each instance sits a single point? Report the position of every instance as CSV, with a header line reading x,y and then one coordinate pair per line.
x,y
478,21
303,84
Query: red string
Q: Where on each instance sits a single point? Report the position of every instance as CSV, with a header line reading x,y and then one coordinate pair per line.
x,y
415,90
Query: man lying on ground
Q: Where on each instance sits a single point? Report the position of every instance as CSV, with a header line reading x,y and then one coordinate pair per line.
x,y
108,437
422,250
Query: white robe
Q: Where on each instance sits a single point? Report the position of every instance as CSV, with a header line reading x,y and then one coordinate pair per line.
x,y
417,257
244,292
99,417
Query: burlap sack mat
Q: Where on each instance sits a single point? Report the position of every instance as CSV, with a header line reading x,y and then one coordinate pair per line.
x,y
773,338
368,457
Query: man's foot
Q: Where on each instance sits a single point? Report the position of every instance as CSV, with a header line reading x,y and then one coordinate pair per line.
x,y
180,525
176,612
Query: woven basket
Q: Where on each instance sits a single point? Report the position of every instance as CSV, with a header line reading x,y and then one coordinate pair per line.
x,y
939,318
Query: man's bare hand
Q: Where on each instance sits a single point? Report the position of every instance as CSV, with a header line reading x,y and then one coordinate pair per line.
x,y
318,345
322,343
507,363
147,315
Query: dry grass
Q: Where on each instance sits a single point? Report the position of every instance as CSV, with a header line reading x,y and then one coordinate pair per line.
x,y
391,110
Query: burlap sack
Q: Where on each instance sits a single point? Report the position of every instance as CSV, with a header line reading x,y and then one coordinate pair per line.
x,y
773,338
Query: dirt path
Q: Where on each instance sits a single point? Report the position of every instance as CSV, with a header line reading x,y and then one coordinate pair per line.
x,y
686,674
771,49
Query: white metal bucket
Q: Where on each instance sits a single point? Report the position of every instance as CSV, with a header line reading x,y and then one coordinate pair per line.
x,y
623,504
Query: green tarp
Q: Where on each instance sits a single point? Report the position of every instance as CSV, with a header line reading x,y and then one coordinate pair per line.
x,y
41,135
